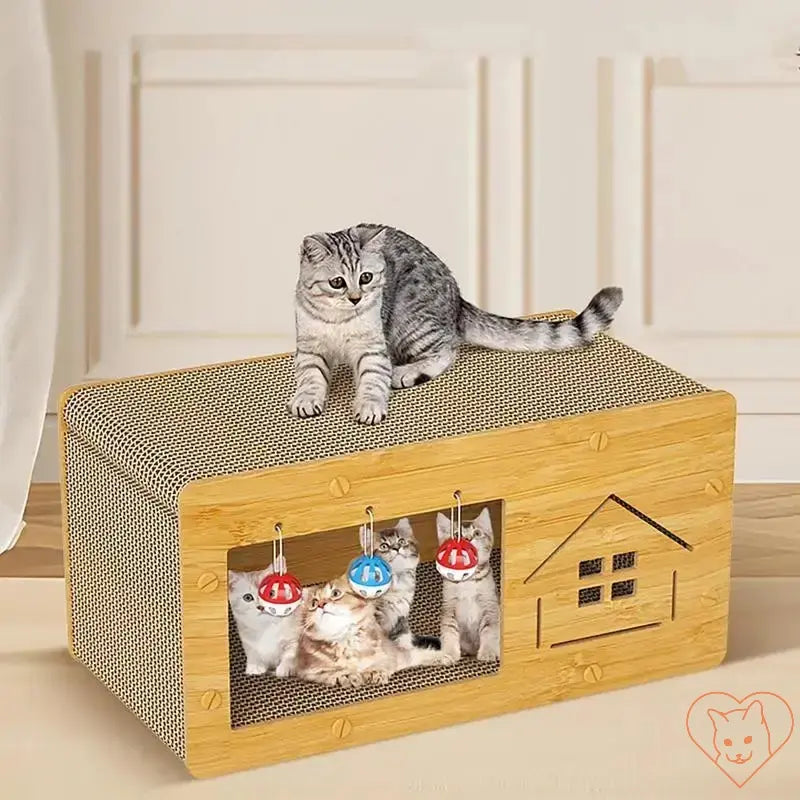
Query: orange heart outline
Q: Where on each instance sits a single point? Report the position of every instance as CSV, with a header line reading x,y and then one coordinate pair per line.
x,y
740,703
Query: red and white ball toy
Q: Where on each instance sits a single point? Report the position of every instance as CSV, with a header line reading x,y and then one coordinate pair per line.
x,y
281,593
456,559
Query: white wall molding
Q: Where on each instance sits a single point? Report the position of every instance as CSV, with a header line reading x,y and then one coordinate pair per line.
x,y
536,155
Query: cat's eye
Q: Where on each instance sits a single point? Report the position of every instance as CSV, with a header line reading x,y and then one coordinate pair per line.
x,y
248,598
336,594
365,278
314,603
748,739
402,543
727,743
337,283
383,546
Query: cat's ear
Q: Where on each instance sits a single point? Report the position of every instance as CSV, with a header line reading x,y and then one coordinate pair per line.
x,y
754,713
233,578
442,527
315,248
484,520
404,526
371,238
717,717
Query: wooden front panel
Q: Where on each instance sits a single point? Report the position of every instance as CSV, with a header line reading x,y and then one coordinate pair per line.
x,y
674,459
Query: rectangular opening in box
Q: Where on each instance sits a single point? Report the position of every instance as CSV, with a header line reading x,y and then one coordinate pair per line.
x,y
319,557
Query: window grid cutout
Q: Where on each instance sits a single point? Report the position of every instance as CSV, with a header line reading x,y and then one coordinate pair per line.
x,y
590,595
623,561
592,566
623,588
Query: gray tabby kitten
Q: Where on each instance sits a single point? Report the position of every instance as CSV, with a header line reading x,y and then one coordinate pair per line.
x,y
471,609
377,299
399,549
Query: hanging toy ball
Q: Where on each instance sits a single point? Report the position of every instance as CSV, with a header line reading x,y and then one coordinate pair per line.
x,y
456,559
281,593
280,590
369,576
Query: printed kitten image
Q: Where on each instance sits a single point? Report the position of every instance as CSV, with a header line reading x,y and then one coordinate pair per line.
x,y
398,547
342,644
471,609
269,643
741,739
377,299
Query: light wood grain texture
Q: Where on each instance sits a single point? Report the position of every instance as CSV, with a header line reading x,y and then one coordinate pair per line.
x,y
766,534
610,530
658,458
39,553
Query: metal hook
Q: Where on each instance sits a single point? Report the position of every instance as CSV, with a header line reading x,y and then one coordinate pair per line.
x,y
371,539
457,496
279,531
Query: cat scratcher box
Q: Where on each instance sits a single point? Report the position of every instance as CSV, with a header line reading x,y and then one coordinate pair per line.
x,y
608,477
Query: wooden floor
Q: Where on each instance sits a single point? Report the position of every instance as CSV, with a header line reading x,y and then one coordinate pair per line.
x,y
766,540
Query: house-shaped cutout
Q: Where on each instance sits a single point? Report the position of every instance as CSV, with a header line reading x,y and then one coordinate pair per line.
x,y
618,571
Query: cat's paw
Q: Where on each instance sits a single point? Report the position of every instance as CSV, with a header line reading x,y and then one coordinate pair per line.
x,y
353,680
254,669
284,670
305,404
405,376
450,655
370,412
447,659
488,652
376,677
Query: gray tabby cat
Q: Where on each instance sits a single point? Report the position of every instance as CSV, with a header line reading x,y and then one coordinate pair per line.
x,y
399,549
377,299
471,609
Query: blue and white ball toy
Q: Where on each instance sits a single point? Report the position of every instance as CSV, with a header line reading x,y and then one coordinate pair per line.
x,y
369,576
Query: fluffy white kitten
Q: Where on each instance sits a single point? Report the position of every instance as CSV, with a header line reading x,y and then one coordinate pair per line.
x,y
269,643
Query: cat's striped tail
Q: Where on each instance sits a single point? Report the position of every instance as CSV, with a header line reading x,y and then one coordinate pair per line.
x,y
481,328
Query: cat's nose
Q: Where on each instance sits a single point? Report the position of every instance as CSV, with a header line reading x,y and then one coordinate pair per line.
x,y
354,300
260,608
322,604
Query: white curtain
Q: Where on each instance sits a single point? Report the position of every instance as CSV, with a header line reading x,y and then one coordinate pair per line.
x,y
29,250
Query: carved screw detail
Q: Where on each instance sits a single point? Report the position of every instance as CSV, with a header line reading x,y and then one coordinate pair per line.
x,y
339,486
211,700
341,728
593,673
207,582
598,441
